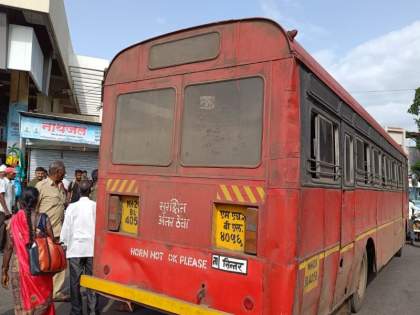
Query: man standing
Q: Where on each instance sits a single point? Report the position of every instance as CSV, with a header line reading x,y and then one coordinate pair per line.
x,y
52,201
73,194
94,188
5,211
39,176
78,236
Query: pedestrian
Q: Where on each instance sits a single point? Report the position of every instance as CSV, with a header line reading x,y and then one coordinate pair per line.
x,y
39,176
94,188
77,235
73,193
412,211
52,201
5,206
31,294
85,175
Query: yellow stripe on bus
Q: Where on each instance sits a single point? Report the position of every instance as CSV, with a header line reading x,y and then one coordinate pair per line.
x,y
349,246
250,194
122,186
108,184
116,183
154,300
131,185
261,192
237,193
346,248
226,192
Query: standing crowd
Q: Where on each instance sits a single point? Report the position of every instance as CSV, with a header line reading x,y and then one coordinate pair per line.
x,y
53,208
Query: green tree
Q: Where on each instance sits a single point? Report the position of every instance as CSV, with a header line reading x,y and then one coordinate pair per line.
x,y
414,109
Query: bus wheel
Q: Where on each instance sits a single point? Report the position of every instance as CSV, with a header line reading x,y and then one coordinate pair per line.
x,y
399,253
356,299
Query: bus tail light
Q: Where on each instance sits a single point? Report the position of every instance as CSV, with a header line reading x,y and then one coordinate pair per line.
x,y
235,228
251,231
114,213
123,214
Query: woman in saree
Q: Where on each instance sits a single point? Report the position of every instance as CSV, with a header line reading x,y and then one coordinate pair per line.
x,y
32,294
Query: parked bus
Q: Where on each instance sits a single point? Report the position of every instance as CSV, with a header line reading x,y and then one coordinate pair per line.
x,y
236,176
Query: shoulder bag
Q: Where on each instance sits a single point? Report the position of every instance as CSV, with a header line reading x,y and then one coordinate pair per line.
x,y
45,256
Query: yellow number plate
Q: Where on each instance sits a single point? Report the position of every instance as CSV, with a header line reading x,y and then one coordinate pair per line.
x,y
130,214
230,224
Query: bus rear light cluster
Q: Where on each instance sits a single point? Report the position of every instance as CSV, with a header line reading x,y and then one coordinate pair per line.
x,y
114,213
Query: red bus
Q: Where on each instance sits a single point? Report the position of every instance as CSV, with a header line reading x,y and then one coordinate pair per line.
x,y
236,176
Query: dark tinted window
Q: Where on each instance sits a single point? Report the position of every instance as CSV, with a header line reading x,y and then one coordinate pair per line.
x,y
324,148
326,141
178,52
348,153
222,123
143,128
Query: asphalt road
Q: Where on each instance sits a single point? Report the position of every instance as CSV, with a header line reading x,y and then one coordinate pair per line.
x,y
395,290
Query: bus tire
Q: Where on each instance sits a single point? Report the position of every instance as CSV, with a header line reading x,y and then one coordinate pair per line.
x,y
399,253
358,296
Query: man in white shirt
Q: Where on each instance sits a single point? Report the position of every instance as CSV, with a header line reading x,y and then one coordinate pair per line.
x,y
4,211
78,234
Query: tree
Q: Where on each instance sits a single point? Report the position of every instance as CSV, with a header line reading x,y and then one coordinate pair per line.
x,y
414,109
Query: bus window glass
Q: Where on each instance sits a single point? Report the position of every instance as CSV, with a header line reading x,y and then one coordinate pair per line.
x,y
360,160
143,128
222,123
348,148
186,50
366,163
324,142
375,167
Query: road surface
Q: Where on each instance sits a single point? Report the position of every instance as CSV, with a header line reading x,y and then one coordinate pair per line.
x,y
395,290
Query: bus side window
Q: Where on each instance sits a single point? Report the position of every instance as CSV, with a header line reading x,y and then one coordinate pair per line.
x,y
376,175
349,160
383,170
324,162
360,161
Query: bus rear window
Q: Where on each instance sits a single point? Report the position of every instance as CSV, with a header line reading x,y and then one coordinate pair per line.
x,y
143,128
186,50
222,123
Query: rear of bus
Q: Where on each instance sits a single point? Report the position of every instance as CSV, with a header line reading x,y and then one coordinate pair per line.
x,y
199,162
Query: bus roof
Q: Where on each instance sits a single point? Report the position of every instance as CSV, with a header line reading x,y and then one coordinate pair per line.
x,y
296,50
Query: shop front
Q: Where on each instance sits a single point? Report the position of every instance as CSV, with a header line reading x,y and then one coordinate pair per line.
x,y
48,138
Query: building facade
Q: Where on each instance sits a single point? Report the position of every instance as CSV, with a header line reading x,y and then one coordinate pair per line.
x,y
45,84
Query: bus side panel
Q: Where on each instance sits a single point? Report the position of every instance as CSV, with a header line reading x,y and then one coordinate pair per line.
x,y
365,211
319,230
278,245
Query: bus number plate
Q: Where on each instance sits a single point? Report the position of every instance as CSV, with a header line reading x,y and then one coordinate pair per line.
x,y
230,225
130,214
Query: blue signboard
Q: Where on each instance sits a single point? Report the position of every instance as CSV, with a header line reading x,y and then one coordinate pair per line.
x,y
65,131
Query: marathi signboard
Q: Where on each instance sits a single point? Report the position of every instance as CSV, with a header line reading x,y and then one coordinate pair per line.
x,y
65,131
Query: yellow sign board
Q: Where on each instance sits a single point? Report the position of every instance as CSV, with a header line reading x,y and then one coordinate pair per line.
x,y
311,274
229,227
130,214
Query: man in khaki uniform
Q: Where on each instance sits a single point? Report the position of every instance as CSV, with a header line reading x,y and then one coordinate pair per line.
x,y
52,201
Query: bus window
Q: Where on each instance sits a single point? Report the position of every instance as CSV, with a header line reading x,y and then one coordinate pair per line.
x,y
360,161
349,160
324,135
375,167
143,128
222,123
186,50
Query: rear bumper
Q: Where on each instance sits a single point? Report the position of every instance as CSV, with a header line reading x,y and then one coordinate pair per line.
x,y
147,298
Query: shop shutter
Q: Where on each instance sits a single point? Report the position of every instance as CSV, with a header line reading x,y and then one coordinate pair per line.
x,y
72,160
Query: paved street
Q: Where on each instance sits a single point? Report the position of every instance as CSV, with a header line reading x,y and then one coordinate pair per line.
x,y
395,290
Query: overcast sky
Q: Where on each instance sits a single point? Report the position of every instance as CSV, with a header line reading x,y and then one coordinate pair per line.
x,y
371,47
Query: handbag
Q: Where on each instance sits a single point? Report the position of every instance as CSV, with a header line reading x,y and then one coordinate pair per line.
x,y
45,256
